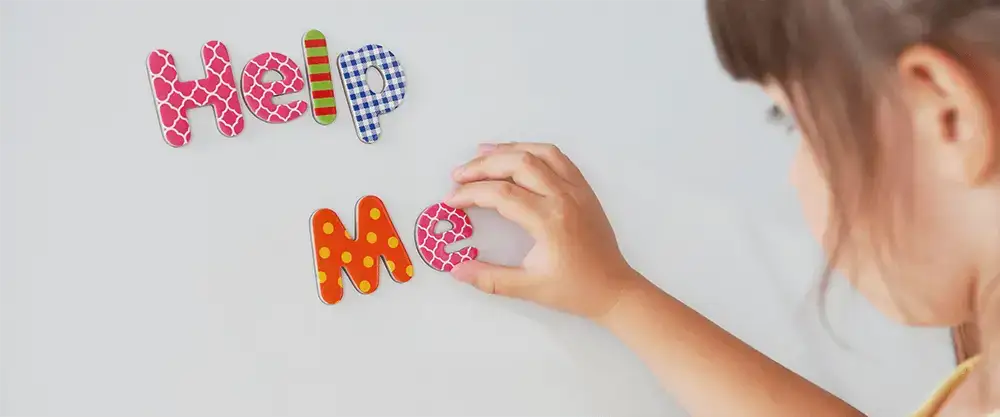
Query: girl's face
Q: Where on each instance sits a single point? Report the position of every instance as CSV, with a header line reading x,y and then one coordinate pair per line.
x,y
926,274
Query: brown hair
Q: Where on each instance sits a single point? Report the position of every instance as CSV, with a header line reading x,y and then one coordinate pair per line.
x,y
835,58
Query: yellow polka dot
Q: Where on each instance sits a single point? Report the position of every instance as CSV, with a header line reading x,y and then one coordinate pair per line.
x,y
393,242
409,270
324,252
364,286
347,234
375,213
340,282
346,257
369,262
322,277
372,237
328,228
391,265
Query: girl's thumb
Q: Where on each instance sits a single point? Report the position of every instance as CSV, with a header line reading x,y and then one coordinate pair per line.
x,y
490,278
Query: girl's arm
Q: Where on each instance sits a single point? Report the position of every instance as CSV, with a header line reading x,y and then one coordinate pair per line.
x,y
576,266
709,371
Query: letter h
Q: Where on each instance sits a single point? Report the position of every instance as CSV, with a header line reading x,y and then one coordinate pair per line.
x,y
174,97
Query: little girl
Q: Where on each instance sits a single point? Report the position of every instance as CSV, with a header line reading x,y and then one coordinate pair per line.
x,y
898,104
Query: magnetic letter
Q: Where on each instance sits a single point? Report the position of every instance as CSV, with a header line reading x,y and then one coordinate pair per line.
x,y
324,105
334,250
366,105
174,97
259,94
431,245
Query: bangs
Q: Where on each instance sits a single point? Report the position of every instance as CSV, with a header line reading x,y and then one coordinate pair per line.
x,y
751,37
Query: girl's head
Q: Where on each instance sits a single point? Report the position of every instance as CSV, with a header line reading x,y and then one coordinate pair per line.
x,y
898,102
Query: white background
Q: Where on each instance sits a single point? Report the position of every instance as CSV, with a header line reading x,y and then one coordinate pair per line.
x,y
140,279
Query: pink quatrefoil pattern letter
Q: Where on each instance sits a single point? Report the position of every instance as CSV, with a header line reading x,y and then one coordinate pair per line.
x,y
174,97
431,245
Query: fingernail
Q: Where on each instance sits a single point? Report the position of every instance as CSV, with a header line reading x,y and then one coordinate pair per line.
x,y
456,272
485,148
447,198
457,172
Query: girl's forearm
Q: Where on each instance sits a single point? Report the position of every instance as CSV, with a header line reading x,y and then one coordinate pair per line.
x,y
709,371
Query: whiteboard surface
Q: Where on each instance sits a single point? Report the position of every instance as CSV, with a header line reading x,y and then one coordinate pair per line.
x,y
140,279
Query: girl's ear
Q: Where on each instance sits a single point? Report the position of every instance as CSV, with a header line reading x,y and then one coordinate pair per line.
x,y
952,114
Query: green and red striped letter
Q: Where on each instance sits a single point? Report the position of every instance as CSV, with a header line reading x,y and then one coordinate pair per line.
x,y
324,105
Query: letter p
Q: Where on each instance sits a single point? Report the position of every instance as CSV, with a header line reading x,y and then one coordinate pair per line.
x,y
366,105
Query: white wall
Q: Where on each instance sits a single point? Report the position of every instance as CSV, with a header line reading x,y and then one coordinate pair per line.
x,y
140,279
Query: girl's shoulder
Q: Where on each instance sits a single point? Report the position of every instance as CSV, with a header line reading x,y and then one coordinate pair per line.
x,y
944,391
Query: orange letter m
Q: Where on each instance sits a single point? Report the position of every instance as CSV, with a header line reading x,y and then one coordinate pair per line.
x,y
334,250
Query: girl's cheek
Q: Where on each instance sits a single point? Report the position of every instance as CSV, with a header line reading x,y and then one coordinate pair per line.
x,y
812,191
854,263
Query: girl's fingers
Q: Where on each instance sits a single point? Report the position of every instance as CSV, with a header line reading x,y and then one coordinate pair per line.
x,y
494,279
523,168
510,200
553,157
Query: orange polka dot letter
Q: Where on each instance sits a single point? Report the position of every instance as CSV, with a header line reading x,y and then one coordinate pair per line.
x,y
335,250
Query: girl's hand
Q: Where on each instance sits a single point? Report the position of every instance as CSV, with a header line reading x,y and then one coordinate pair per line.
x,y
575,265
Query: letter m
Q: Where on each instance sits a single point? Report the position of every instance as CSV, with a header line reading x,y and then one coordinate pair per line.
x,y
334,250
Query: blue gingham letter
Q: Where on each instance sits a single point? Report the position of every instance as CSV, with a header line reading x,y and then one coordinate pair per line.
x,y
366,105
